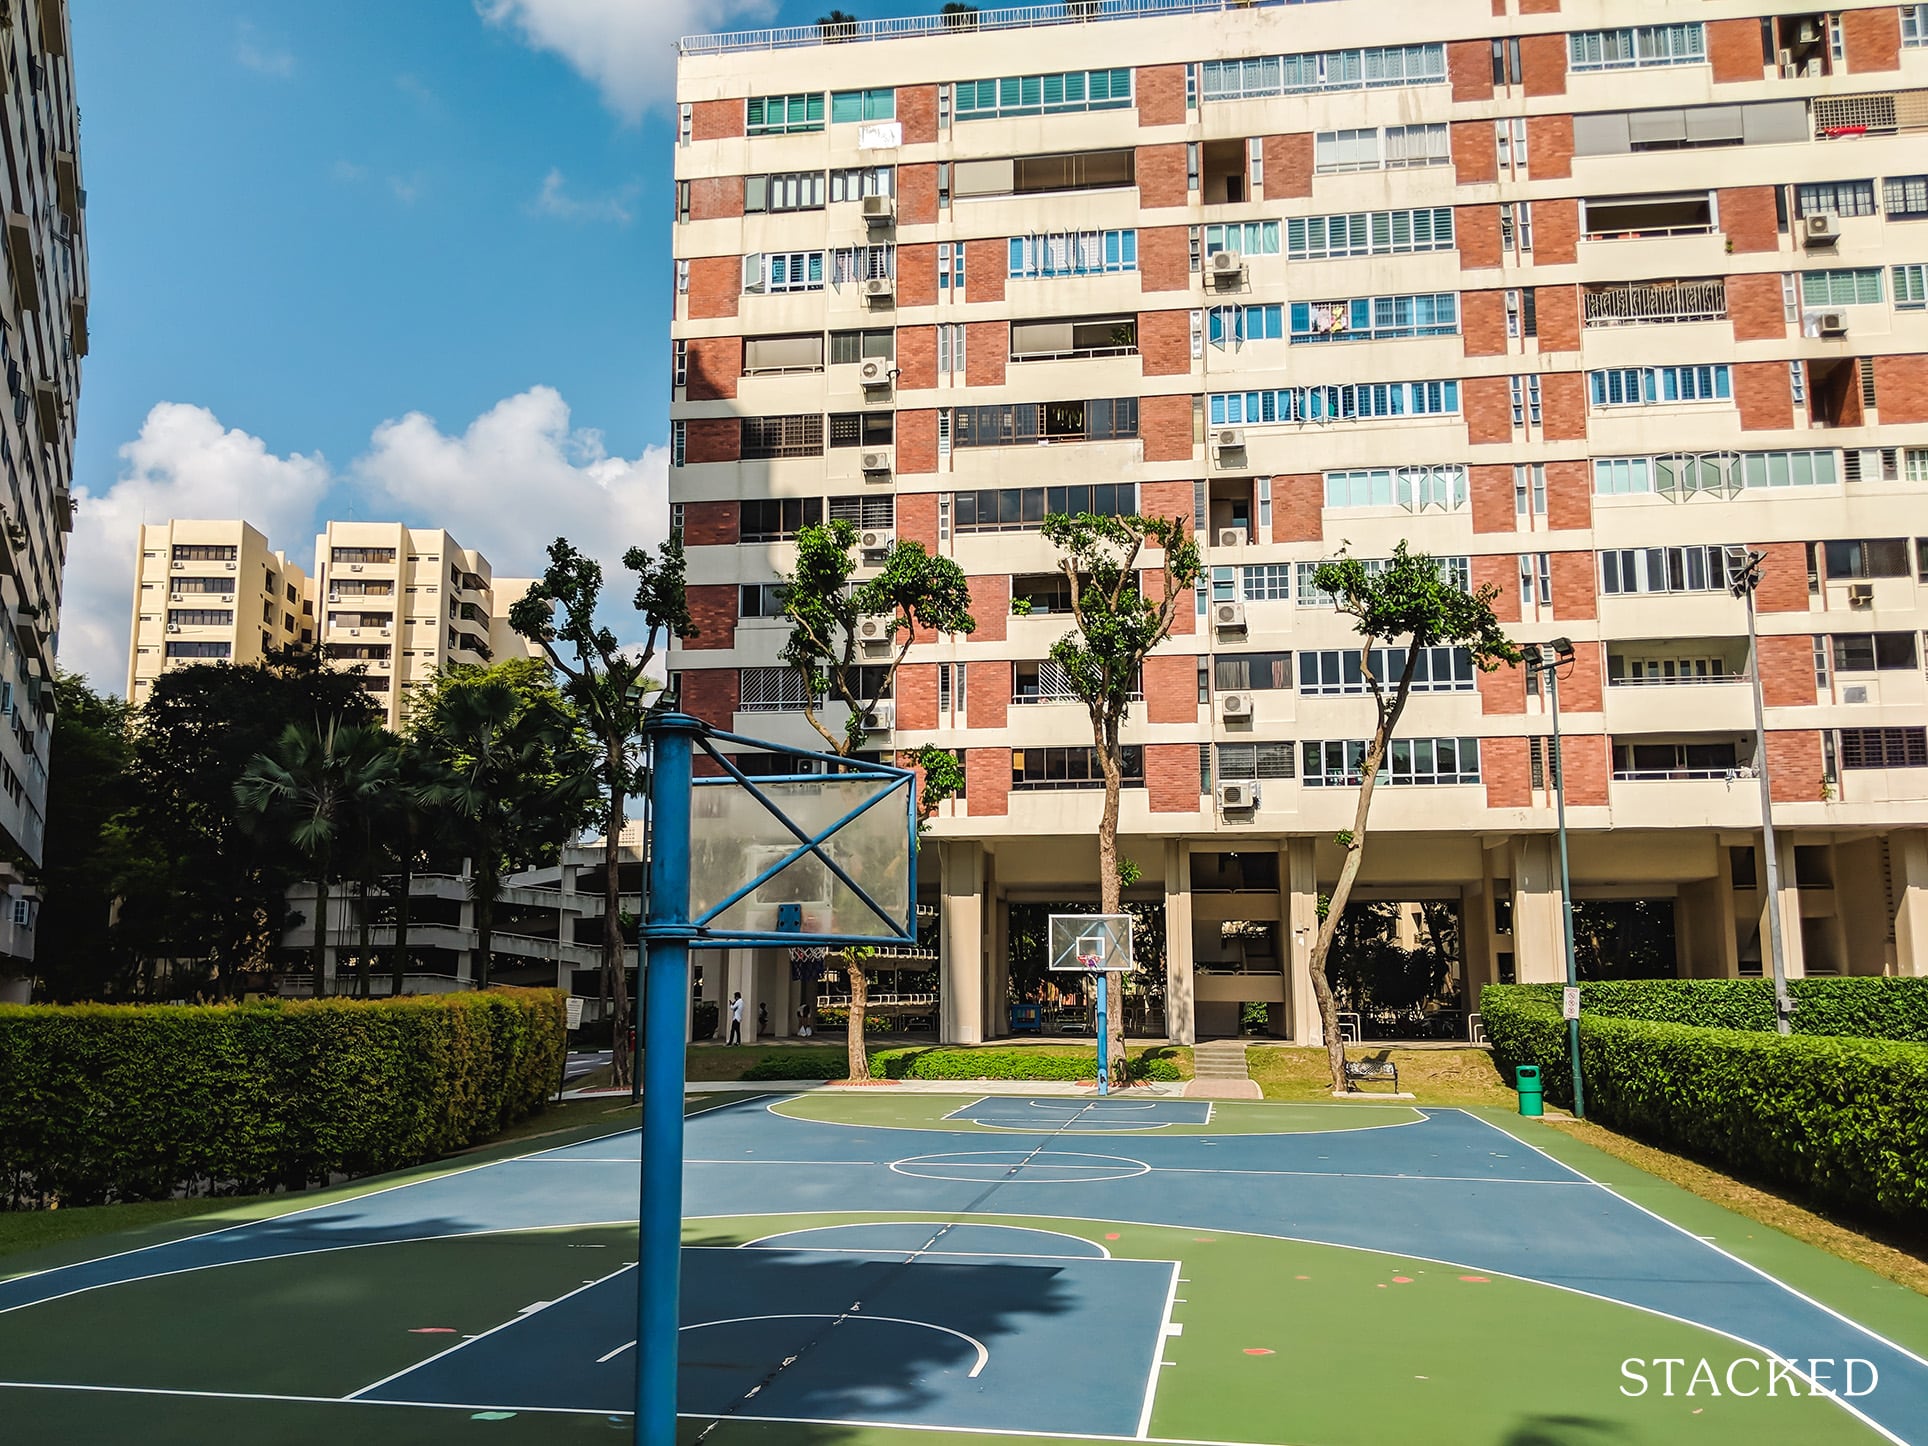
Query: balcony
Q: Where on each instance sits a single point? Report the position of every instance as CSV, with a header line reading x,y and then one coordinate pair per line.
x,y
1661,687
1644,303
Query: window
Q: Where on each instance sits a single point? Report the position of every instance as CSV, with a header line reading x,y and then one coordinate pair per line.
x,y
951,353
1905,198
1255,761
851,264
1664,569
776,519
1336,764
1017,509
679,443
1686,213
1914,24
1915,464
202,552
864,510
1866,558
1456,571
1874,652
772,690
787,191
766,438
1054,94
847,348
854,183
1044,681
1335,403
1645,386
1787,469
200,617
1848,286
1073,253
761,599
1911,287
1636,47
1417,489
1506,62
1236,325
682,276
200,650
1039,593
861,429
1650,762
1884,748
847,106
1041,768
1266,582
775,115
1773,122
1376,148
1026,423
1379,66
777,271
771,355
1529,489
1369,233
1839,198
1070,339
1252,672
338,554
1336,672
950,266
1244,238
1376,318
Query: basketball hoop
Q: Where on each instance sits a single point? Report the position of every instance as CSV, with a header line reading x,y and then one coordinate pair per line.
x,y
809,954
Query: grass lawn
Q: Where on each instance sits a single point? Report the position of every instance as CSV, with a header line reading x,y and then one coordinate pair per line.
x,y
1433,1076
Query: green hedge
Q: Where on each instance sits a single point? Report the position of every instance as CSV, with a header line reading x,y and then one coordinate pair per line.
x,y
914,1062
1836,1116
1866,1007
108,1103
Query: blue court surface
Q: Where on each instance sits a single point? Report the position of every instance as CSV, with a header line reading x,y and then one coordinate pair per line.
x,y
847,1273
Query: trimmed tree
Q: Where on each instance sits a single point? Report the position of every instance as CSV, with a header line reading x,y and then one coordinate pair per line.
x,y
1116,623
827,609
1409,597
606,683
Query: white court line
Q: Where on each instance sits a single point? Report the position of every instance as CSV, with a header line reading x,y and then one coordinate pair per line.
x,y
1098,1108
1366,1175
910,1254
1099,1130
1103,1253
1718,1250
607,1356
463,1345
632,1161
1419,1117
951,1116
1158,1354
983,1351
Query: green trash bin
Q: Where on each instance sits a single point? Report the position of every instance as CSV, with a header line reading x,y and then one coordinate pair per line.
x,y
1527,1081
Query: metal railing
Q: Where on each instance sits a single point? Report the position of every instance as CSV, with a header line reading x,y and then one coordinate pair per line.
x,y
1684,681
907,27
1674,775
1634,304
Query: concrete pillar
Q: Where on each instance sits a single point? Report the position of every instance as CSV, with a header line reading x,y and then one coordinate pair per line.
x,y
961,990
1539,937
739,978
1477,968
999,1015
1704,929
1298,873
772,992
1181,1025
1793,945
1908,860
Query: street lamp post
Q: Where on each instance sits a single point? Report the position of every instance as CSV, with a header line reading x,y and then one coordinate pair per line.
x,y
1552,657
1744,575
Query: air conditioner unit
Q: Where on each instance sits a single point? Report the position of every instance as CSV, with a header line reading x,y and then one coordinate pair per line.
x,y
876,461
876,539
1238,796
1785,60
1235,705
1832,323
1858,693
229,566
882,717
334,597
875,372
879,210
180,567
354,567
1227,266
1860,594
879,288
1231,537
1228,616
227,597
1823,228
873,630
354,632
1229,439
1807,33
173,627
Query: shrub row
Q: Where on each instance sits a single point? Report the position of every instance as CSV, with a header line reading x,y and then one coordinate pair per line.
x,y
1835,1116
1869,1008
958,1064
110,1103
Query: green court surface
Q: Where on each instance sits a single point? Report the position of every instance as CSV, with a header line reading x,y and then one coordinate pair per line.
x,y
1224,1117
494,1301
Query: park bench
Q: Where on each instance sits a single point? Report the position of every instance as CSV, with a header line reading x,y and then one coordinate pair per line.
x,y
1358,1070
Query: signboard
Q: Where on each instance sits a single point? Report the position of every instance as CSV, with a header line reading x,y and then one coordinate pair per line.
x,y
574,1006
1570,1002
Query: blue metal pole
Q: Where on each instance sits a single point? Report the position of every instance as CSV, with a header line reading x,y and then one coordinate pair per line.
x,y
1103,981
666,934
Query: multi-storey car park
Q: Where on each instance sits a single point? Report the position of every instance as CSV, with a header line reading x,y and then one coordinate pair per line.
x,y
1575,297
43,336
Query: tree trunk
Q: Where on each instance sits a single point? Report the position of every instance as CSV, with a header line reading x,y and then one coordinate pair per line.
x,y
321,923
859,1008
400,967
1109,888
615,975
1336,908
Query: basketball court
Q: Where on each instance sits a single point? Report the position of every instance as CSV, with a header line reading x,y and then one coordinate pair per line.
x,y
988,1268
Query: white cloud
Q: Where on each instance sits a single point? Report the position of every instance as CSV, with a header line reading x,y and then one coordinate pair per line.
x,y
554,200
406,189
516,479
347,172
625,48
262,59
183,464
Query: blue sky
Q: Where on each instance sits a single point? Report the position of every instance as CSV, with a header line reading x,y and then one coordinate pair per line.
x,y
376,259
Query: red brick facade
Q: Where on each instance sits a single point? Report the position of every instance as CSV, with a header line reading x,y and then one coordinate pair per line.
x,y
1288,166
1171,777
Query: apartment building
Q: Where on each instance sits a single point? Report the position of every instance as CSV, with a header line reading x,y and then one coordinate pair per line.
x,y
212,591
43,336
1576,297
398,602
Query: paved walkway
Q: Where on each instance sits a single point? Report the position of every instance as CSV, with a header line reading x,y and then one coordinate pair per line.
x,y
1219,1067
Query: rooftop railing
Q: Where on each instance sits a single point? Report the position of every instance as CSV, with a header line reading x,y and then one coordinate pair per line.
x,y
1021,17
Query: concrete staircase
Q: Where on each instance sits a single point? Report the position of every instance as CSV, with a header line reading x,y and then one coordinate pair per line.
x,y
1219,1072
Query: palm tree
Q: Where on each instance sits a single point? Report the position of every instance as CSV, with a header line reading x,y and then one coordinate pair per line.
x,y
314,781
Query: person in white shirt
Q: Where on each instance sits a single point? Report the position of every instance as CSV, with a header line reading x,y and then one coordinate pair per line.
x,y
736,1019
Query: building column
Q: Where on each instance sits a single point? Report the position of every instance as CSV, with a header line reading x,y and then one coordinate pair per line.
x,y
1793,942
961,973
1908,861
1299,876
1704,929
999,1017
740,978
1539,931
1181,1025
1476,965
